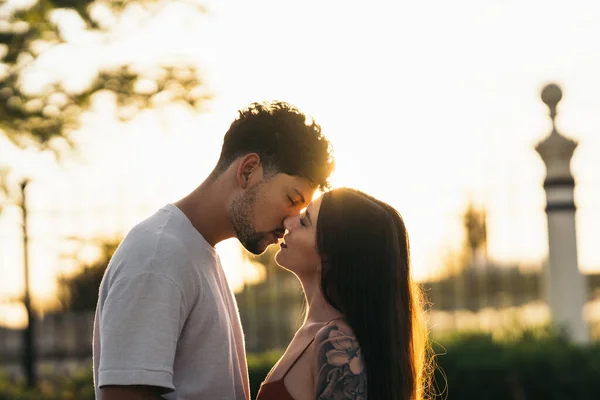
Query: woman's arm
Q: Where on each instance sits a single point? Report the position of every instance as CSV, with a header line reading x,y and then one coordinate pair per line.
x,y
340,369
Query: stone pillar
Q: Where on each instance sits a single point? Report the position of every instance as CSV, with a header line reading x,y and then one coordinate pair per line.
x,y
565,288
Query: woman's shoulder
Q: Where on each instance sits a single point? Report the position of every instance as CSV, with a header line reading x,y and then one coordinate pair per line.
x,y
340,363
339,322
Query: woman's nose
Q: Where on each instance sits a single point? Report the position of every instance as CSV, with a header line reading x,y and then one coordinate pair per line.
x,y
288,222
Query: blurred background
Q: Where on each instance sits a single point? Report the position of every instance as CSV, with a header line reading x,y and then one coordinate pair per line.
x,y
109,109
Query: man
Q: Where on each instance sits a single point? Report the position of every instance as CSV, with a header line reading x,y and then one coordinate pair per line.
x,y
167,323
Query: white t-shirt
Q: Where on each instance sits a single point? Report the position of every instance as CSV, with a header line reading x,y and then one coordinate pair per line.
x,y
167,317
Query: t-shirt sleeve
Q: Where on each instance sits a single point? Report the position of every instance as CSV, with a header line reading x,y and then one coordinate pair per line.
x,y
140,322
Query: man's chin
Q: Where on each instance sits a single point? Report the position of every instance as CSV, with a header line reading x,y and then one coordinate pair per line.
x,y
264,247
257,248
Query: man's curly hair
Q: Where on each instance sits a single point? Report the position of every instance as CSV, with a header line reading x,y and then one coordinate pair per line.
x,y
286,140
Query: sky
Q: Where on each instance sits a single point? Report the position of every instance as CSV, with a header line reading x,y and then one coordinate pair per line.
x,y
427,104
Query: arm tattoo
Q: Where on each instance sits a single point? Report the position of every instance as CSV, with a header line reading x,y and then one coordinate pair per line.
x,y
341,374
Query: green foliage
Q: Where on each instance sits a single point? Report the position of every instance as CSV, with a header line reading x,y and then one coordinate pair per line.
x,y
259,366
534,364
530,365
41,117
79,386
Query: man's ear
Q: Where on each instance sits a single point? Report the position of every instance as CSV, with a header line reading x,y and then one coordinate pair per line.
x,y
249,170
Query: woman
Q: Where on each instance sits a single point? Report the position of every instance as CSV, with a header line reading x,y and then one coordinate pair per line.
x,y
363,336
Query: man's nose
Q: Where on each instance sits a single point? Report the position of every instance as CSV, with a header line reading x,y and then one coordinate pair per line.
x,y
288,222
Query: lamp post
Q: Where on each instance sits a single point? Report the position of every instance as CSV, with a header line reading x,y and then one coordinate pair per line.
x,y
29,353
564,285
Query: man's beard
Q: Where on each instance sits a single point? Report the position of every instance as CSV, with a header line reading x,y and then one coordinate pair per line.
x,y
241,216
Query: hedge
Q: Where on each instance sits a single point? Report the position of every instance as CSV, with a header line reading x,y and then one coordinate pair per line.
x,y
527,366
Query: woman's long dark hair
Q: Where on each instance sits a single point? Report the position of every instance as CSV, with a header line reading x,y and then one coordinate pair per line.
x,y
365,274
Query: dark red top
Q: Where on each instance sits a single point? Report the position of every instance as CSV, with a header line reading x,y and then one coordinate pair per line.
x,y
276,390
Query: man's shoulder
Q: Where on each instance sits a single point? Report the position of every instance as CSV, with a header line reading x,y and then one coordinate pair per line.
x,y
158,244
167,231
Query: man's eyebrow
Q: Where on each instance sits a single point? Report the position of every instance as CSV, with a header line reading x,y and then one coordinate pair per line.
x,y
301,195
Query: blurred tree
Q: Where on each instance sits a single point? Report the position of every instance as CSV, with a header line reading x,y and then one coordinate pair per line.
x,y
456,261
271,309
43,116
474,222
469,280
79,291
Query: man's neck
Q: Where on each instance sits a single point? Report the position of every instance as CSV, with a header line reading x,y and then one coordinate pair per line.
x,y
206,208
